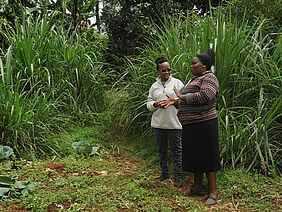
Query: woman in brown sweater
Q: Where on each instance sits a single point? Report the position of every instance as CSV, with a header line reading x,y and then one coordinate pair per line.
x,y
197,114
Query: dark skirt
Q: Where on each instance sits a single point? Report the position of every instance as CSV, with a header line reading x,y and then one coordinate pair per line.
x,y
200,148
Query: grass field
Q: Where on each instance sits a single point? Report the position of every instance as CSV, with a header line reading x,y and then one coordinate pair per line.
x,y
123,178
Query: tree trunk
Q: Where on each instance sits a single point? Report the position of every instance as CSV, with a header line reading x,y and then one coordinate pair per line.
x,y
98,17
74,13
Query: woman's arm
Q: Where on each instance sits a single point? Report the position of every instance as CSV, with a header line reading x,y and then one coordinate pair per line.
x,y
207,93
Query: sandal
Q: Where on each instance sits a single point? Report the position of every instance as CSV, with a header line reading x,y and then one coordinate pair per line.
x,y
191,192
212,199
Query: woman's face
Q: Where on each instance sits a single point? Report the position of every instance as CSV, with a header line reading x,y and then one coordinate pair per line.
x,y
197,66
164,71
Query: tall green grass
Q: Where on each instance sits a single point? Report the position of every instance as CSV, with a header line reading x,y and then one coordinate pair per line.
x,y
50,76
248,66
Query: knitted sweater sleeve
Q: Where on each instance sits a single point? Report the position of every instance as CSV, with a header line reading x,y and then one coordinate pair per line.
x,y
208,91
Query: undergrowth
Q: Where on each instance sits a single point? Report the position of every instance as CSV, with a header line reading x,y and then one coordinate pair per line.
x,y
123,178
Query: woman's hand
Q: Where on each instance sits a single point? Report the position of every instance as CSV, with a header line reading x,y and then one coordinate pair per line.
x,y
164,103
169,101
160,103
176,92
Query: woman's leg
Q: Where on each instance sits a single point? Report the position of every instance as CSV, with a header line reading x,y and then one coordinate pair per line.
x,y
211,176
212,199
162,145
174,138
197,187
198,182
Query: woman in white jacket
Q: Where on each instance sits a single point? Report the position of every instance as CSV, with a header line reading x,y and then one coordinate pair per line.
x,y
164,120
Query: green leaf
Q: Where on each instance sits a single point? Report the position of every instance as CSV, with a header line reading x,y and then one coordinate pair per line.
x,y
6,181
14,188
29,188
21,184
94,151
5,152
85,148
4,191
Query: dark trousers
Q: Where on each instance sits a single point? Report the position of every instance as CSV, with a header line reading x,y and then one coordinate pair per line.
x,y
171,137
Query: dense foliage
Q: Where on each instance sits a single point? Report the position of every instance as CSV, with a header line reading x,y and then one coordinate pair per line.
x,y
255,11
248,66
53,75
127,22
49,76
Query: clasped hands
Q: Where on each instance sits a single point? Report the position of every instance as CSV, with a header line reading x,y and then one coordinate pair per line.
x,y
167,102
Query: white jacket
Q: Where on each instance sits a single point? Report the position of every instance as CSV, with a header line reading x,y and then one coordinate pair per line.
x,y
164,118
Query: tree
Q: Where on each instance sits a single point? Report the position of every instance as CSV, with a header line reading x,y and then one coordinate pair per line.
x,y
254,11
126,20
70,12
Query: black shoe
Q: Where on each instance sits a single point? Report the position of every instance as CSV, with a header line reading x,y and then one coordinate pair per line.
x,y
163,177
177,182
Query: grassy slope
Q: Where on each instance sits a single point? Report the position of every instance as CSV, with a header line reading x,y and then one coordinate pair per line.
x,y
122,178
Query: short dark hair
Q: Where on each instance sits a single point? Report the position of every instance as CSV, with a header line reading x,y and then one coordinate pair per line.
x,y
160,60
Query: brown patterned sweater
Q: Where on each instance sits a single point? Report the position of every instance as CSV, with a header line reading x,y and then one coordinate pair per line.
x,y
201,95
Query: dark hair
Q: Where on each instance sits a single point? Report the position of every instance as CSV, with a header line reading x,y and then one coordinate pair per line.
x,y
160,60
207,58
